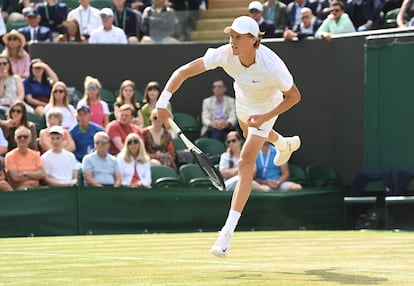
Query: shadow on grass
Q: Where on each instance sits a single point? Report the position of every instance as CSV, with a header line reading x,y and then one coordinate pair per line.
x,y
331,275
327,275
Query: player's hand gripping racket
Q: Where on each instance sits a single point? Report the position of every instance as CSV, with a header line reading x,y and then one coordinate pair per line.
x,y
202,160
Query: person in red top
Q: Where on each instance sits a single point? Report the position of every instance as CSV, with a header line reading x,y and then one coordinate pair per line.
x,y
23,165
119,129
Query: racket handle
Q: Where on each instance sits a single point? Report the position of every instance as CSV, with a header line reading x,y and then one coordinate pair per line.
x,y
174,126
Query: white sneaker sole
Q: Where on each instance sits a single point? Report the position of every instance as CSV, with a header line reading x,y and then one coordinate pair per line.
x,y
284,156
217,251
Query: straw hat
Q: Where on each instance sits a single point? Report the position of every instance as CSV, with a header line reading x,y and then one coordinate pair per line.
x,y
15,33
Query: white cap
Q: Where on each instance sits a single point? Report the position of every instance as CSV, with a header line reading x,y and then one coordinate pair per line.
x,y
107,11
244,25
256,5
56,129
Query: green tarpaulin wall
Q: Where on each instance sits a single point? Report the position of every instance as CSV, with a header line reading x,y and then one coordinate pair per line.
x,y
389,104
85,210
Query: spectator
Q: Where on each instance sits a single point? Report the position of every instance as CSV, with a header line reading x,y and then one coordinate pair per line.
x,y
293,11
4,184
365,14
127,95
24,167
71,33
53,14
16,117
159,23
100,168
218,113
151,94
88,17
3,30
126,19
3,146
10,11
405,17
59,100
337,22
54,118
180,9
108,33
324,8
59,164
119,129
134,163
38,85
256,12
99,108
14,50
11,86
158,142
33,32
82,133
229,163
276,177
274,12
308,26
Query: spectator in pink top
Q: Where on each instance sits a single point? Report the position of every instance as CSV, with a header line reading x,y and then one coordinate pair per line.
x,y
99,108
19,58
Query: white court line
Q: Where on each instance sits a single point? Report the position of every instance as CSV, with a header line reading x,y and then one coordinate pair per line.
x,y
218,261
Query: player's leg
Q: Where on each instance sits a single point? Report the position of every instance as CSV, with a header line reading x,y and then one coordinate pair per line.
x,y
285,147
241,193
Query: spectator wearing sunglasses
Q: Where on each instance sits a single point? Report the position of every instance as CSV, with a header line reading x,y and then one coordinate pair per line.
x,y
59,100
24,167
338,22
119,129
229,163
38,85
134,163
16,117
11,85
98,108
218,113
99,167
14,50
159,143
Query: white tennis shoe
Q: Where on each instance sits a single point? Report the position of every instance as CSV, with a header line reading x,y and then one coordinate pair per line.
x,y
222,245
293,144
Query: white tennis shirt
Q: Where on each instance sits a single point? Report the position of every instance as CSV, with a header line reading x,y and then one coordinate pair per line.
x,y
259,87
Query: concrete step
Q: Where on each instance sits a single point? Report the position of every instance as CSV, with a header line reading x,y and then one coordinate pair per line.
x,y
213,24
224,13
220,4
209,35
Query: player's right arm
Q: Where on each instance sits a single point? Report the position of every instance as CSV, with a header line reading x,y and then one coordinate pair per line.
x,y
180,75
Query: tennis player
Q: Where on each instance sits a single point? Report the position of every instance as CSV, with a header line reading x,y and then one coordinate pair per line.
x,y
264,89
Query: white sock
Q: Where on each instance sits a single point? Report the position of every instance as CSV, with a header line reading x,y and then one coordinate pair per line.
x,y
281,143
231,221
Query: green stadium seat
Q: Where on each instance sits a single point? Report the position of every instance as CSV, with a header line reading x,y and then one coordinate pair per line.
x,y
322,175
193,175
188,125
298,175
212,147
164,176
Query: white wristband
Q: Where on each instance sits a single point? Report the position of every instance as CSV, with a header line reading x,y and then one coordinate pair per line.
x,y
163,100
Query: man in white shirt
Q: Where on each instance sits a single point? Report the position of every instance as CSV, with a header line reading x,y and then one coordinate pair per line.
x,y
88,17
108,33
59,164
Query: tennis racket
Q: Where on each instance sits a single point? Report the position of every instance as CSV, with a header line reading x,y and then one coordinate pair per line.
x,y
202,159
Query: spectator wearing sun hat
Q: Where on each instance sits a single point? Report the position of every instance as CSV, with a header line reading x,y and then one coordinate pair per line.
x,y
60,165
14,50
256,12
108,33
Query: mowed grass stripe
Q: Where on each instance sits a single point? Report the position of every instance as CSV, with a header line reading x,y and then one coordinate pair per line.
x,y
257,258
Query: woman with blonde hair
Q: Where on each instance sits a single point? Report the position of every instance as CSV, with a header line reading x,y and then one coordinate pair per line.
x,y
134,163
127,96
14,50
59,100
151,94
98,108
229,163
